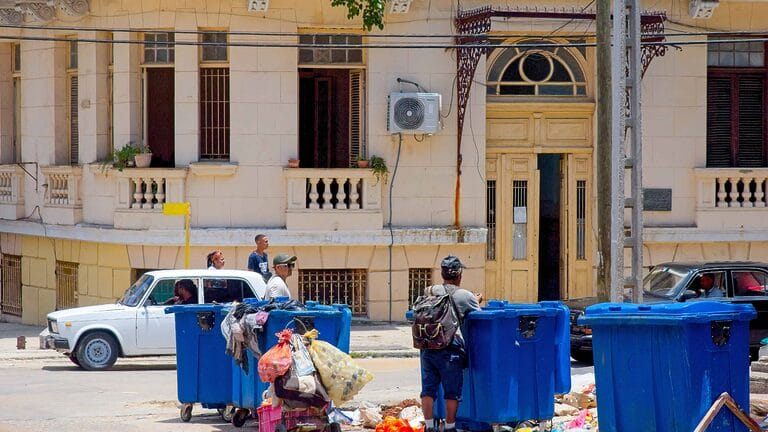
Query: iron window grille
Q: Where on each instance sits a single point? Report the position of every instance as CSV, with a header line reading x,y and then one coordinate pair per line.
x,y
10,302
66,285
328,286
418,280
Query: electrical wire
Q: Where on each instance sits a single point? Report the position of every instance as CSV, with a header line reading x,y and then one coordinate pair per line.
x,y
391,231
377,46
492,35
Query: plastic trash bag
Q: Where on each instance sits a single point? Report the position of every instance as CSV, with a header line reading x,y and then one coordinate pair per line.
x,y
301,358
277,360
340,375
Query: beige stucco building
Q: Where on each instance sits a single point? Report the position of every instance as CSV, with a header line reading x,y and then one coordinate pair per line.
x,y
225,96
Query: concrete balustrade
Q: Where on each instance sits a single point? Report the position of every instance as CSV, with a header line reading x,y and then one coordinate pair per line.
x,y
332,198
141,194
723,191
11,192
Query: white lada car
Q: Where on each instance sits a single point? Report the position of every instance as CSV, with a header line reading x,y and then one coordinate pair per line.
x,y
93,337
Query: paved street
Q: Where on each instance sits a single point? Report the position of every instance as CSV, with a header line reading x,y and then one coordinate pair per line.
x,y
42,391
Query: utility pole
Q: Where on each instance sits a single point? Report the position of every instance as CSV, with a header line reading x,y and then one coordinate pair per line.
x,y
603,149
626,150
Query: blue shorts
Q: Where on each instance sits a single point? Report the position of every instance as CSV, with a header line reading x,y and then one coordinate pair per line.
x,y
446,367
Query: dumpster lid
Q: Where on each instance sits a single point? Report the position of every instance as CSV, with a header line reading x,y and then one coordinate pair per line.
x,y
192,308
696,311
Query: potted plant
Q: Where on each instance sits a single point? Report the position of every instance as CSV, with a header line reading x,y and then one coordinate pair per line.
x,y
121,158
144,156
362,162
379,168
293,163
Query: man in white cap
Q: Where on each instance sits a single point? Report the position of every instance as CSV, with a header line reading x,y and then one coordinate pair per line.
x,y
283,266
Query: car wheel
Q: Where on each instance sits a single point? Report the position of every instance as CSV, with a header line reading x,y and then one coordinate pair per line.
x,y
97,351
583,356
73,359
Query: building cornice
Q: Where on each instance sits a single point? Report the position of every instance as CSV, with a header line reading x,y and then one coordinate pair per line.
x,y
18,12
244,236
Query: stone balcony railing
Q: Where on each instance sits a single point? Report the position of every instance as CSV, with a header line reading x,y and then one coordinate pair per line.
x,y
11,192
328,199
141,193
62,200
731,198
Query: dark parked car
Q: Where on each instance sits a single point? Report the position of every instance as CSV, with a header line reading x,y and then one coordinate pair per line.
x,y
731,282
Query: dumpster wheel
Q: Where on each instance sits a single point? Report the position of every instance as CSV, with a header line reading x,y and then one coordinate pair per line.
x,y
186,413
226,413
238,418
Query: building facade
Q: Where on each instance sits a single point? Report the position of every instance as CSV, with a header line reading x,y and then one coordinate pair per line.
x,y
224,96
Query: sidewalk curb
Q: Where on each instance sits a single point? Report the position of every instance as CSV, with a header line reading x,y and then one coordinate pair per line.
x,y
384,354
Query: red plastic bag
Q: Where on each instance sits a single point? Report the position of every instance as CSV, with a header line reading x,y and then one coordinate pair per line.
x,y
277,360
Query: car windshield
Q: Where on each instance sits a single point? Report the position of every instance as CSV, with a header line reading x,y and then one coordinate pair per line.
x,y
133,295
663,281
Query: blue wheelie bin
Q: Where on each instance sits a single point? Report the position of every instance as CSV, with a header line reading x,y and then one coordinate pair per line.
x,y
333,325
203,369
661,367
519,357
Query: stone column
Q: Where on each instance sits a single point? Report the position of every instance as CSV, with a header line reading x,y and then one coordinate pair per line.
x,y
94,96
126,90
187,89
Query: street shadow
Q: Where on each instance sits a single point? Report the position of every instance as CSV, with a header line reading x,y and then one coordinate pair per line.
x,y
210,418
116,368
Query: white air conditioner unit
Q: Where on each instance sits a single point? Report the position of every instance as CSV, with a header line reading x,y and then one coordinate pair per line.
x,y
417,113
702,9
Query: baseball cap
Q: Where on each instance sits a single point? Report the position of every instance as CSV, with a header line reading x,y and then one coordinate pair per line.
x,y
451,266
283,258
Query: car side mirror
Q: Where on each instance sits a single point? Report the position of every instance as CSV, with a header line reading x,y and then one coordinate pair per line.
x,y
688,294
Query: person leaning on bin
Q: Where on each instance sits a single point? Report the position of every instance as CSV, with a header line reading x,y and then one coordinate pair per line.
x,y
446,366
283,265
185,292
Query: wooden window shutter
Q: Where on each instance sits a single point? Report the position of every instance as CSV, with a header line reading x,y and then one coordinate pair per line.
x,y
719,122
356,106
750,123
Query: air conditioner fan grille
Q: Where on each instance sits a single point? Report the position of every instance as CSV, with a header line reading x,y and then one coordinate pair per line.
x,y
409,113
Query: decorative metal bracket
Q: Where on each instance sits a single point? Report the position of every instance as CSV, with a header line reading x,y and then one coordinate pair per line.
x,y
652,30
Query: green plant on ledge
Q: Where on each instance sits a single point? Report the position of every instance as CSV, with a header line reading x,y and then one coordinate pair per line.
x,y
119,158
379,168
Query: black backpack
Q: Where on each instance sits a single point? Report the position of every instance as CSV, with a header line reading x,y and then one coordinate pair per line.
x,y
435,320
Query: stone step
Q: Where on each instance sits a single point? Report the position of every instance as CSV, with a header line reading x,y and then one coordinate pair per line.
x,y
758,382
760,365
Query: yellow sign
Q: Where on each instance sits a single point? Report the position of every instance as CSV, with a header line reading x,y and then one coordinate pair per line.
x,y
176,209
180,209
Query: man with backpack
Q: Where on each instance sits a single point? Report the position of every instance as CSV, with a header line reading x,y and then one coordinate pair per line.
x,y
443,356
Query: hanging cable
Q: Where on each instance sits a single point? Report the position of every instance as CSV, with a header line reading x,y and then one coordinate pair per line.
x,y
391,231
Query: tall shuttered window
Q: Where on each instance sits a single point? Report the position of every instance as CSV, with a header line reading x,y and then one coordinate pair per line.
x,y
16,102
214,97
72,103
331,101
736,105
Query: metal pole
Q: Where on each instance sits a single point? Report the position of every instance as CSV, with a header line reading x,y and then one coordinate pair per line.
x,y
603,149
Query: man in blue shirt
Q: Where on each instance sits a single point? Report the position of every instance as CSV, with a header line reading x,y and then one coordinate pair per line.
x,y
258,260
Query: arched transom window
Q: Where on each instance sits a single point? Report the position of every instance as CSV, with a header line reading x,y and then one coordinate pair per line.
x,y
540,71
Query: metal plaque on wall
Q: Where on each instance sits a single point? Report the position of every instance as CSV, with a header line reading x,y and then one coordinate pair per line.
x,y
657,199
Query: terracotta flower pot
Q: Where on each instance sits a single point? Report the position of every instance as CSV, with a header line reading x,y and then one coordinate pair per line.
x,y
143,160
363,163
293,163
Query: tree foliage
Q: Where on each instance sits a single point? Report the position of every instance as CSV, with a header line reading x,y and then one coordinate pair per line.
x,y
371,10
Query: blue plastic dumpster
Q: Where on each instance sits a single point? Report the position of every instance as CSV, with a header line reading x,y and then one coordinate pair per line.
x,y
333,325
203,369
661,367
519,357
